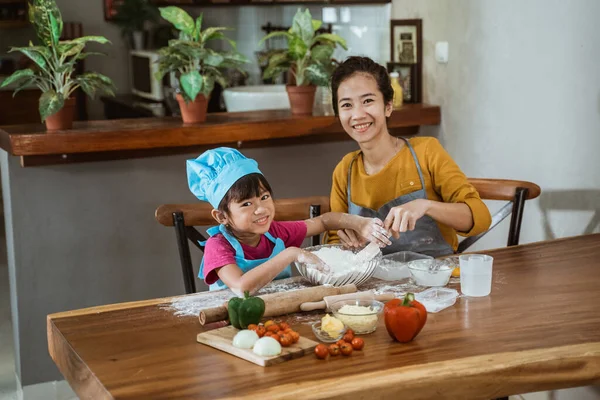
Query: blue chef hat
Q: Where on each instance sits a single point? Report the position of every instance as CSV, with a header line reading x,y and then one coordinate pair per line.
x,y
211,175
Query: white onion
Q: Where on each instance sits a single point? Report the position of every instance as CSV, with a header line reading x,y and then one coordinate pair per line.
x,y
245,339
267,347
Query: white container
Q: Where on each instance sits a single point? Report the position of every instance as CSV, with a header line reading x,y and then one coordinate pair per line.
x,y
253,98
424,275
476,274
436,299
394,267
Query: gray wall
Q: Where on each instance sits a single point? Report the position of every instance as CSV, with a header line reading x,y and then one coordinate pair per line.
x,y
83,235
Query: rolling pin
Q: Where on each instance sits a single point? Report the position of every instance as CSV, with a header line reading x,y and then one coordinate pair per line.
x,y
328,300
280,303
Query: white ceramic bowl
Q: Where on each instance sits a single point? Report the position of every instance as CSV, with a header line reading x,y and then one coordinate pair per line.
x,y
357,277
424,275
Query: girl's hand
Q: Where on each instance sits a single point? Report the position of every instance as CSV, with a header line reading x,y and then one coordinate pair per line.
x,y
404,218
311,261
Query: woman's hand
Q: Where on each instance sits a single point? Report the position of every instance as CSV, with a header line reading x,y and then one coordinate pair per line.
x,y
404,218
367,230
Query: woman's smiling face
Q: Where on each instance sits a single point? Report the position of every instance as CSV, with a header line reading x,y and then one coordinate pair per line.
x,y
361,108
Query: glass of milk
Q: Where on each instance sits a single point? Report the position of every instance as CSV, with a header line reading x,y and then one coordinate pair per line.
x,y
475,274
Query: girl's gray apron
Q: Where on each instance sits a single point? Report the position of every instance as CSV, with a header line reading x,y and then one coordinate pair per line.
x,y
425,239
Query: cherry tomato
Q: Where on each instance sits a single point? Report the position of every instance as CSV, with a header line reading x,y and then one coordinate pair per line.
x,y
285,340
260,331
340,342
334,349
273,328
283,326
275,336
346,349
295,336
358,343
321,351
348,336
252,327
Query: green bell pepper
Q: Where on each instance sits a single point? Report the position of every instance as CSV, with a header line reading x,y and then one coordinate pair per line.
x,y
245,311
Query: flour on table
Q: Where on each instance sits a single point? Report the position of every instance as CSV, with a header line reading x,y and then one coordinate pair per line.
x,y
192,304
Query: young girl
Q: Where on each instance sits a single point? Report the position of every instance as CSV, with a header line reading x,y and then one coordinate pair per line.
x,y
413,185
248,249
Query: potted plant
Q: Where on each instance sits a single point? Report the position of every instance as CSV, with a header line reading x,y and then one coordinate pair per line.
x,y
196,66
55,62
308,58
132,16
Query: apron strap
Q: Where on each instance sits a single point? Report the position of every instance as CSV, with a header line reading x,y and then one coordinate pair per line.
x,y
348,188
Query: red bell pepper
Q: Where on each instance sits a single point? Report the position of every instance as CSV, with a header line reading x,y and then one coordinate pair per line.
x,y
404,318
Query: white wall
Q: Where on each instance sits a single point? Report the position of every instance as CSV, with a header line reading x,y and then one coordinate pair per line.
x,y
520,99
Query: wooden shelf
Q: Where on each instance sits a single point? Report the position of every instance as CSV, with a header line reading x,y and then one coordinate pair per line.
x,y
148,137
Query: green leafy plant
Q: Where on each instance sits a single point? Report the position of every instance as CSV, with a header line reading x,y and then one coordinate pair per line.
x,y
197,66
132,15
308,56
55,61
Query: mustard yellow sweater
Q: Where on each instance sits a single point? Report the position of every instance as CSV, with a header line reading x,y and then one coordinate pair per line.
x,y
444,182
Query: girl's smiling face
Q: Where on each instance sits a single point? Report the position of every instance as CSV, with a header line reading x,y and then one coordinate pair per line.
x,y
361,108
248,219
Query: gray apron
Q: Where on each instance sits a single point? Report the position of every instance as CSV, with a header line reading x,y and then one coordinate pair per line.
x,y
425,239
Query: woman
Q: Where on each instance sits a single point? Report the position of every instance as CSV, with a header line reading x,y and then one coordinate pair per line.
x,y
413,186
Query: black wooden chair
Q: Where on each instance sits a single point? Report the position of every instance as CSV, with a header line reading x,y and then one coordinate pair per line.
x,y
516,193
185,217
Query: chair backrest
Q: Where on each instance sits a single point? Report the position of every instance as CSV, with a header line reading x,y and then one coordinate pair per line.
x,y
516,193
185,217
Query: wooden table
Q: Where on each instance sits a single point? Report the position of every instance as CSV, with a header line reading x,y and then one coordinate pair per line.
x,y
538,330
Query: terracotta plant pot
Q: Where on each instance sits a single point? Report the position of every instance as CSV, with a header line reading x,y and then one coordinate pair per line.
x,y
194,111
302,99
63,119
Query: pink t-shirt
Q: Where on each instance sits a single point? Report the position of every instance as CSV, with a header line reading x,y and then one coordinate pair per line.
x,y
218,252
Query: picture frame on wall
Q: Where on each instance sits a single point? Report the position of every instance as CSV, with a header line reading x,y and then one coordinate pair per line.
x,y
408,80
110,9
406,43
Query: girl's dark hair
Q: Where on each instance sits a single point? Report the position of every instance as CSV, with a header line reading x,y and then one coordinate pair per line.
x,y
354,65
244,188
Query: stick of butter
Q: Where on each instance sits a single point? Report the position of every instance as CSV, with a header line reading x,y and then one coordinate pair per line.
x,y
332,325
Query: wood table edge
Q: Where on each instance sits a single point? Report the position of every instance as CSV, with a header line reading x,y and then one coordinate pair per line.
x,y
477,377
114,307
77,373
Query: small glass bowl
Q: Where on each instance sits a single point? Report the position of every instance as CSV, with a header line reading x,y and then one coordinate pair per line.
x,y
361,324
324,336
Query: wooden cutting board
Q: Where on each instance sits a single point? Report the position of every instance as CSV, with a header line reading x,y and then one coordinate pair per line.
x,y
221,339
